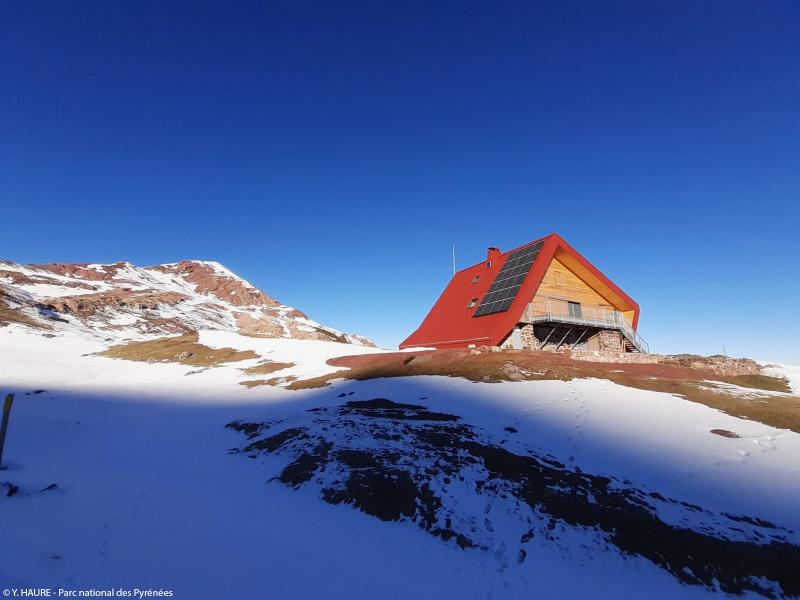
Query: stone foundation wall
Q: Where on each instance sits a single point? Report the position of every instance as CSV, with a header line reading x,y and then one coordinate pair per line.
x,y
529,341
610,341
612,350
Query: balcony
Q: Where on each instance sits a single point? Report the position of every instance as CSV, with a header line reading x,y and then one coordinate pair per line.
x,y
560,311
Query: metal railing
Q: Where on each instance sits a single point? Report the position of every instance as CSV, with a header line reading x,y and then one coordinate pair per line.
x,y
561,311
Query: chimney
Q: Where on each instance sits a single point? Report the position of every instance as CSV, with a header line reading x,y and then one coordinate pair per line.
x,y
491,254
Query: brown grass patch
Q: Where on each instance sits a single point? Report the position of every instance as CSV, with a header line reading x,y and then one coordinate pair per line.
x,y
483,367
183,349
490,367
266,367
273,382
762,382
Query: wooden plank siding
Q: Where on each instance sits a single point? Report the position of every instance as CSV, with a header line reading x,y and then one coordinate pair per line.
x,y
561,283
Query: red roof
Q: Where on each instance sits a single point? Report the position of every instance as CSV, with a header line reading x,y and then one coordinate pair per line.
x,y
451,324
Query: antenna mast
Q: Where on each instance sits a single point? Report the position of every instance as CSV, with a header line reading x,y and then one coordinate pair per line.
x,y
454,259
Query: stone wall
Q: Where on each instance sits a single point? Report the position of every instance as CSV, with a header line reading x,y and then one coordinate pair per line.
x,y
611,349
610,341
720,365
529,341
617,357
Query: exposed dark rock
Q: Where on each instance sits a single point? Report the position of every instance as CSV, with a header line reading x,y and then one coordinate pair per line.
x,y
303,468
399,461
725,433
272,443
250,429
382,408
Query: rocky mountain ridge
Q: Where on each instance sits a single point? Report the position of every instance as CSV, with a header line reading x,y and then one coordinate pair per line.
x,y
123,301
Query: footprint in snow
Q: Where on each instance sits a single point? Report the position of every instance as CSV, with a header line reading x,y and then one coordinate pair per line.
x,y
500,554
137,504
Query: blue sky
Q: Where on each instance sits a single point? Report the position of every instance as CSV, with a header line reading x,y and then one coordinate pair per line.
x,y
332,152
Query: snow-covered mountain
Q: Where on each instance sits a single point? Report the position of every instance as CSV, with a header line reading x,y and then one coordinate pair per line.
x,y
123,301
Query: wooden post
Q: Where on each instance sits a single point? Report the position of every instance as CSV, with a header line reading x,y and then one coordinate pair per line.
x,y
4,427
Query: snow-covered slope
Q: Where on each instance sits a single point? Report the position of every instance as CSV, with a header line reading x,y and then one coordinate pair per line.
x,y
122,301
790,372
171,478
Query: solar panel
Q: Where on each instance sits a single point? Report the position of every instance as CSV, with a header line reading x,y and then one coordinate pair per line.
x,y
506,285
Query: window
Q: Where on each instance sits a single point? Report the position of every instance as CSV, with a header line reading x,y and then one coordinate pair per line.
x,y
488,264
476,279
575,309
472,303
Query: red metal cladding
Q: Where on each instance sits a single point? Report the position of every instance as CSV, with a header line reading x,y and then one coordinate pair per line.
x,y
450,323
